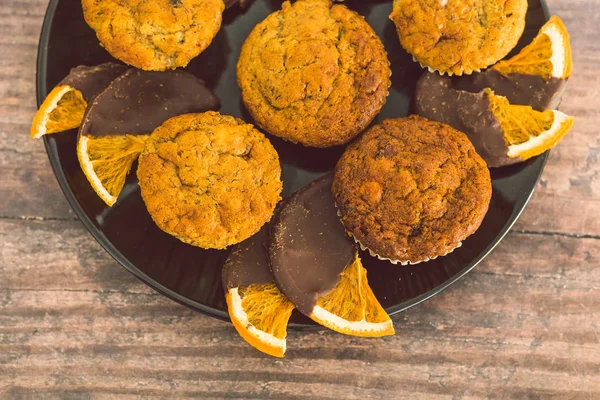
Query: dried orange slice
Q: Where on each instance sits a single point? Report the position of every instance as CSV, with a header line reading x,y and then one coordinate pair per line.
x,y
548,55
260,314
62,110
106,160
528,132
351,308
258,310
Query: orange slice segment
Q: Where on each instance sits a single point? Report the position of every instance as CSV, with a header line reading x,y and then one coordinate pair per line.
x,y
260,314
351,308
528,132
548,55
61,110
106,160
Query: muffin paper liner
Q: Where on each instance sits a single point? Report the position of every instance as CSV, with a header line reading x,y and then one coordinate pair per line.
x,y
373,254
440,72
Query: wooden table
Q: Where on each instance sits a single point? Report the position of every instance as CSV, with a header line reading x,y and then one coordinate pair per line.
x,y
74,324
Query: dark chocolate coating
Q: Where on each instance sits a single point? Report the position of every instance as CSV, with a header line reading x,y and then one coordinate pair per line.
x,y
243,3
92,80
139,101
248,263
437,100
309,246
524,89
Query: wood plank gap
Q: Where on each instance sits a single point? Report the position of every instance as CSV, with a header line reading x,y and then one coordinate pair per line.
x,y
36,218
152,292
561,234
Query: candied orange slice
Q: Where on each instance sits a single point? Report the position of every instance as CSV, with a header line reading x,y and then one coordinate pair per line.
x,y
106,160
61,110
548,55
260,314
528,132
351,307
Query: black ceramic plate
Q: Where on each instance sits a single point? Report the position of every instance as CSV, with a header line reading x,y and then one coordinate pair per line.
x,y
192,276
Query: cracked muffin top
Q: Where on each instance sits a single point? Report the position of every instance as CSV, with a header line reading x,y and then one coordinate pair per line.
x,y
411,190
459,36
208,179
154,34
313,73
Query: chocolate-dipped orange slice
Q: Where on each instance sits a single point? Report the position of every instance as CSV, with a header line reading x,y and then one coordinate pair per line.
x,y
258,310
316,265
502,133
65,105
537,76
120,119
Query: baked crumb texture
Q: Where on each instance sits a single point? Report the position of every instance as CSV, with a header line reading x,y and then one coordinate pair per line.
x,y
209,180
313,73
459,36
410,189
154,34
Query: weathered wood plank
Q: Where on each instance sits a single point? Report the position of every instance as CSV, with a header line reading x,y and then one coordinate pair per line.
x,y
73,324
422,356
515,327
568,196
73,260
28,187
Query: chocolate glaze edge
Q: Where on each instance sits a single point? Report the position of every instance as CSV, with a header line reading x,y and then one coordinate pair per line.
x,y
91,80
523,89
248,263
435,99
309,246
139,101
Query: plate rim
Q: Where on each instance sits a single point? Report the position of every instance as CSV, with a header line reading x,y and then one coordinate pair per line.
x,y
41,92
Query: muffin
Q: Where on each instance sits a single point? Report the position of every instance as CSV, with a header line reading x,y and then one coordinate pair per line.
x,y
208,179
154,34
459,36
313,73
410,190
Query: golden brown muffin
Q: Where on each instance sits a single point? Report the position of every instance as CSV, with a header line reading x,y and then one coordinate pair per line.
x,y
411,190
154,34
208,179
313,73
459,36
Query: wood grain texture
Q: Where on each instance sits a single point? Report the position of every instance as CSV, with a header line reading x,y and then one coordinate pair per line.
x,y
75,325
567,199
